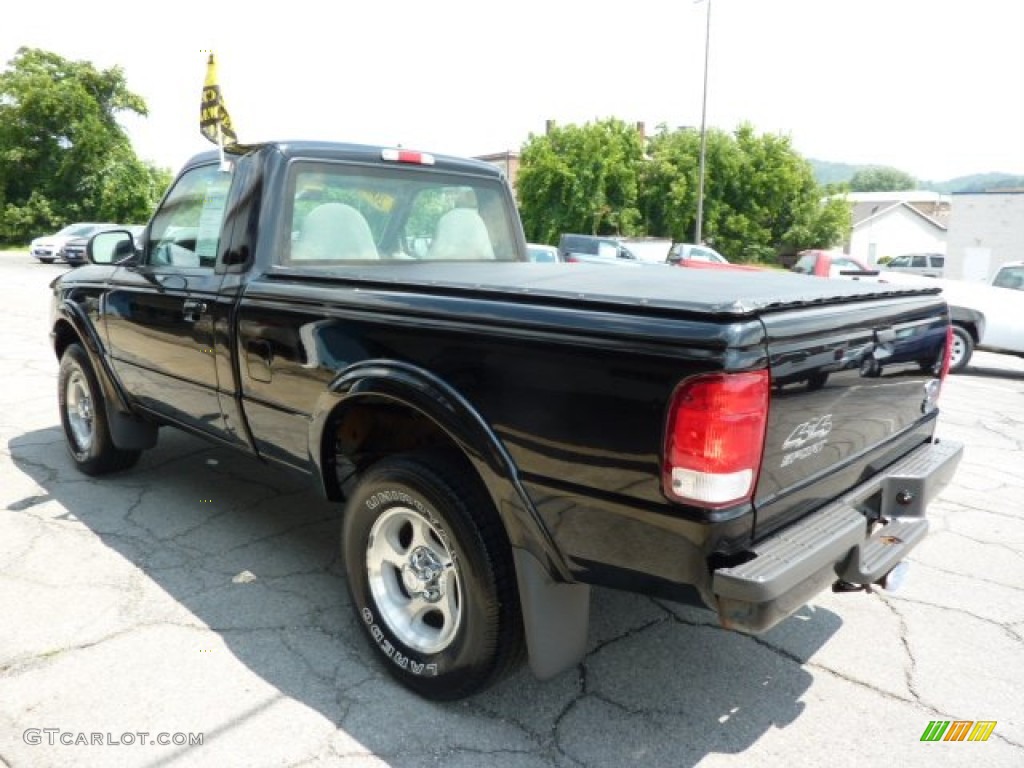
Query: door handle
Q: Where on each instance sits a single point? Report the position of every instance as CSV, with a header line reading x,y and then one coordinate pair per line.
x,y
192,308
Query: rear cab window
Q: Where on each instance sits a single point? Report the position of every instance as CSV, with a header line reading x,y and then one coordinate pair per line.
x,y
342,214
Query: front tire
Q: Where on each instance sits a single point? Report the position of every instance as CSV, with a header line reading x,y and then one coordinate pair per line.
x,y
431,576
83,414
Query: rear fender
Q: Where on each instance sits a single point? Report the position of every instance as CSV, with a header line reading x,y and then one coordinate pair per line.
x,y
555,612
397,383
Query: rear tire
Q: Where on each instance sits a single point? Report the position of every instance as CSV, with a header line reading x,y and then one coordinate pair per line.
x,y
963,348
431,576
83,414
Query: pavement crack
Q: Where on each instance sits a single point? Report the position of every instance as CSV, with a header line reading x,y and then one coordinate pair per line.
x,y
973,577
910,671
916,601
20,665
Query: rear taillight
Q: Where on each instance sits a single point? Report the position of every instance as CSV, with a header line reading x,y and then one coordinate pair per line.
x,y
947,354
715,438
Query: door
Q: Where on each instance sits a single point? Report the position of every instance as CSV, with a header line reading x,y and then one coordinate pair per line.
x,y
159,312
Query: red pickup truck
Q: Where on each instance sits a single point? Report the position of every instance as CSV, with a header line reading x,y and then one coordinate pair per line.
x,y
829,264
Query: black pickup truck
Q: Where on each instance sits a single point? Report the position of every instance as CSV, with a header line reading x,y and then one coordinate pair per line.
x,y
505,434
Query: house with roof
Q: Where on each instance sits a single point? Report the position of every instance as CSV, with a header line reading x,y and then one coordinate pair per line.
x,y
894,223
507,161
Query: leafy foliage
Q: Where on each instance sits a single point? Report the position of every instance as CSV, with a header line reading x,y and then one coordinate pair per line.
x,y
879,179
63,155
760,196
581,179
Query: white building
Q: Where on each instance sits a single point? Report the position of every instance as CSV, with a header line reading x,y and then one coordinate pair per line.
x,y
894,223
986,230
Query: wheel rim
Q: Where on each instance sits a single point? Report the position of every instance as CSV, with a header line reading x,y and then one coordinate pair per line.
x,y
957,353
79,409
414,580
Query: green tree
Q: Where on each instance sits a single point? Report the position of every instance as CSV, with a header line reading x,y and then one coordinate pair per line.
x,y
581,179
881,179
63,155
760,196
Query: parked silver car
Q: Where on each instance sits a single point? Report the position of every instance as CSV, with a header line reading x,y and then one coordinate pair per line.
x,y
927,264
73,251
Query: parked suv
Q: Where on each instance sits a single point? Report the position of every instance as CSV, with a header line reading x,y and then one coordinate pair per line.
x,y
927,264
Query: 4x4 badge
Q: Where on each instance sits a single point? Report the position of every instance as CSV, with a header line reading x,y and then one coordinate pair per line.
x,y
808,432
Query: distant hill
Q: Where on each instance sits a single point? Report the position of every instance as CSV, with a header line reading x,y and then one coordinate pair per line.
x,y
978,182
835,173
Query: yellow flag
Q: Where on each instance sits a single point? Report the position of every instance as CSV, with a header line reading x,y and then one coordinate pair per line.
x,y
214,120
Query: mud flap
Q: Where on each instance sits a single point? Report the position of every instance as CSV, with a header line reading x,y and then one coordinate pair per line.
x,y
555,616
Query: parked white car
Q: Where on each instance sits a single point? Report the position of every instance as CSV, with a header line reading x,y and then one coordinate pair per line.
x,y
47,249
1010,275
541,252
690,252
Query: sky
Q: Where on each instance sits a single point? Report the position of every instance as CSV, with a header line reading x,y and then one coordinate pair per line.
x,y
933,88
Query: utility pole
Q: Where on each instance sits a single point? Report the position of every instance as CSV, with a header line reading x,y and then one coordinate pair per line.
x,y
697,235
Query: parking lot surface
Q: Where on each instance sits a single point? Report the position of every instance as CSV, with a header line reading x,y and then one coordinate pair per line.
x,y
192,612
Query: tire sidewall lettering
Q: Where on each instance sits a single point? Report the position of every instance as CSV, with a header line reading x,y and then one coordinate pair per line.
x,y
406,663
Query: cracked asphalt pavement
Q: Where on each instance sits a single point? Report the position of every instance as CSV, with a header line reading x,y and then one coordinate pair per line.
x,y
200,594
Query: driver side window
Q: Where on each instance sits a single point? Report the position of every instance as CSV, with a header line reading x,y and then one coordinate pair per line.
x,y
186,230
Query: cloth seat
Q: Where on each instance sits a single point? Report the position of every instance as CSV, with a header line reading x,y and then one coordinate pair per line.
x,y
461,234
335,231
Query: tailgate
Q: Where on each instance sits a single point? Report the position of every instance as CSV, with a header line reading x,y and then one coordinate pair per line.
x,y
853,388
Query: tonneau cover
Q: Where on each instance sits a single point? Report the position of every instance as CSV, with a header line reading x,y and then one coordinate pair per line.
x,y
720,293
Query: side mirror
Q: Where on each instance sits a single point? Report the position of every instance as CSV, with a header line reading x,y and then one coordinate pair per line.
x,y
111,247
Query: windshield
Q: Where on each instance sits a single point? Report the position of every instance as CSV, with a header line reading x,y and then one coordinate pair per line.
x,y
78,230
1010,277
706,254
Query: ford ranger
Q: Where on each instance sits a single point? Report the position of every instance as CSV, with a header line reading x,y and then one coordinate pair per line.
x,y
505,434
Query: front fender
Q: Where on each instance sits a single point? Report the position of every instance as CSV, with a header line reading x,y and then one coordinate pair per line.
x,y
73,314
126,431
402,384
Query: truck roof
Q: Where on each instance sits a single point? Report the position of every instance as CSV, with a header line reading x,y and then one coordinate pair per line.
x,y
367,153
